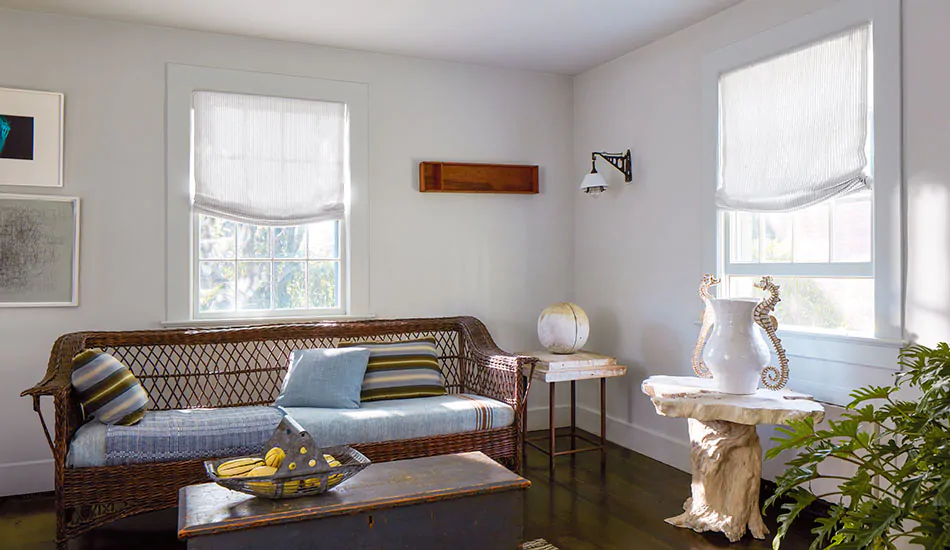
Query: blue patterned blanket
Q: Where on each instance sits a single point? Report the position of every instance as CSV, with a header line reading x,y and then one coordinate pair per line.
x,y
167,436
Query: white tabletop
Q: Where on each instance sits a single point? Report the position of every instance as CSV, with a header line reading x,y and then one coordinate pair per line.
x,y
582,373
692,397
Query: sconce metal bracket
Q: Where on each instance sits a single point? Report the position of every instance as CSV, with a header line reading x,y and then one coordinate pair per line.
x,y
620,161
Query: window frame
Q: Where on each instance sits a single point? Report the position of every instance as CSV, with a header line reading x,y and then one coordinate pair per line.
x,y
181,221
198,315
854,355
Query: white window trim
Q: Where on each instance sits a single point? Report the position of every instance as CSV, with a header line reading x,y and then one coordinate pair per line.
x,y
181,82
861,355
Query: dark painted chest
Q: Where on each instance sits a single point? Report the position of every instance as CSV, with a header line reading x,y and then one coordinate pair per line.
x,y
464,501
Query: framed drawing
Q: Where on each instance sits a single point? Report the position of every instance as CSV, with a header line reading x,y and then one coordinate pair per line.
x,y
39,251
31,138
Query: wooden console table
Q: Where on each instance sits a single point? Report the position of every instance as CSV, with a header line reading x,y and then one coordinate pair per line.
x,y
724,448
553,368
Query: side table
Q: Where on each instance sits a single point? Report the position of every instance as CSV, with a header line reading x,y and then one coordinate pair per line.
x,y
553,368
725,453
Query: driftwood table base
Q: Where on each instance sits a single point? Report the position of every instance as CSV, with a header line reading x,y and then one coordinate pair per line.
x,y
727,465
725,452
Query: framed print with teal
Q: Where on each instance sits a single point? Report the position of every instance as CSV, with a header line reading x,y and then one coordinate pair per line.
x,y
31,138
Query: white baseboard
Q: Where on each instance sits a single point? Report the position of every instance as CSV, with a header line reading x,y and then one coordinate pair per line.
x,y
660,446
20,478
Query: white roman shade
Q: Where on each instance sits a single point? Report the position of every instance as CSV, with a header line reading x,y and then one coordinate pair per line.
x,y
794,128
269,160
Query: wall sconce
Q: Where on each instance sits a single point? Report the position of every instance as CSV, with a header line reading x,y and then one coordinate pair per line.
x,y
594,184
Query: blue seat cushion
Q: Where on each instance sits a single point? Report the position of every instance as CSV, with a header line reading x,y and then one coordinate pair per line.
x,y
164,436
169,436
395,419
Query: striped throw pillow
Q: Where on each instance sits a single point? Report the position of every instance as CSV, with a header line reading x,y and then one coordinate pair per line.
x,y
398,370
107,389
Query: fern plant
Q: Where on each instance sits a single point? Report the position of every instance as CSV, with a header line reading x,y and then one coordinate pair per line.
x,y
898,438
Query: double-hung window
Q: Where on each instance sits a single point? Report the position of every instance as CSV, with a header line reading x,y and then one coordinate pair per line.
x,y
795,181
803,153
267,197
270,176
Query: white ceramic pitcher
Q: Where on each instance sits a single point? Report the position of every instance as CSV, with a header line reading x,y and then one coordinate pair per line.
x,y
736,351
736,354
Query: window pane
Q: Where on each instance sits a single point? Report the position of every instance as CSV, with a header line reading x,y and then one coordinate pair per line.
x,y
253,241
215,238
216,286
745,237
253,285
324,277
290,285
778,237
290,242
852,230
324,240
817,303
812,234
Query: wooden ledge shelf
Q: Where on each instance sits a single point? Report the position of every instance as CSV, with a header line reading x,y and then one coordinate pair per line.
x,y
457,177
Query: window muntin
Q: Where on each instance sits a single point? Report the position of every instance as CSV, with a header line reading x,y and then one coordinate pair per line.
x,y
821,257
245,269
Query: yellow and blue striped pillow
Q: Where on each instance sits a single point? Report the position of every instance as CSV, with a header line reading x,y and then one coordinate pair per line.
x,y
107,389
399,370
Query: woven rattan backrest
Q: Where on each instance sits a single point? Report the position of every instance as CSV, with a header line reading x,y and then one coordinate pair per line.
x,y
193,369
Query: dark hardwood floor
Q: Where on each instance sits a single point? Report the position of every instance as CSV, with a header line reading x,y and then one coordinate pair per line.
x,y
578,506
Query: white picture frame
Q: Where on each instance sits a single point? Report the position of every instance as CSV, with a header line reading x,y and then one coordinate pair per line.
x,y
39,251
31,138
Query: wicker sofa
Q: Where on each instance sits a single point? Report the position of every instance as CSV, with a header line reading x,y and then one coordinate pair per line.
x,y
244,366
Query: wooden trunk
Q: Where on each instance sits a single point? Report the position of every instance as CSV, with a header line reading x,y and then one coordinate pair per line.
x,y
484,522
464,501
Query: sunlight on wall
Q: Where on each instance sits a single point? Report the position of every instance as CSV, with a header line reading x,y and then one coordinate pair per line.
x,y
928,263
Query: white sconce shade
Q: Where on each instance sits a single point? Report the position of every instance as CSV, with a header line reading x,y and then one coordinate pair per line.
x,y
594,184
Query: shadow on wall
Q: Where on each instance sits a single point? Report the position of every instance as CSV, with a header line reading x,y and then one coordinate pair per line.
x,y
663,352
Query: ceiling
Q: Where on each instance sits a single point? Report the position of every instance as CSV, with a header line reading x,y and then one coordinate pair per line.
x,y
555,36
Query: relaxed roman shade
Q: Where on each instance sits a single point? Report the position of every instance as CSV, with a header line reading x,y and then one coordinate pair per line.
x,y
269,160
794,128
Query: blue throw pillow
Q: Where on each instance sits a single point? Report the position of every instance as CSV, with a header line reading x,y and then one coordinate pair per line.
x,y
327,378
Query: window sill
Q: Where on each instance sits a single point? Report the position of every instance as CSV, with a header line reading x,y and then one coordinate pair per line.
x,y
240,322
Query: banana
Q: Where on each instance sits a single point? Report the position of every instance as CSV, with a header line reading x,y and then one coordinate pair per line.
x,y
333,479
312,482
261,471
290,487
238,467
275,457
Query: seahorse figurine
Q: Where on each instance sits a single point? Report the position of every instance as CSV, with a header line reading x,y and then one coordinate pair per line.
x,y
773,377
708,318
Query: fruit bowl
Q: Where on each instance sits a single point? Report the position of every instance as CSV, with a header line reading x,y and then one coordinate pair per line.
x,y
302,470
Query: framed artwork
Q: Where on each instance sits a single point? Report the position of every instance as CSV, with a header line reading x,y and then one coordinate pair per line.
x,y
31,138
39,251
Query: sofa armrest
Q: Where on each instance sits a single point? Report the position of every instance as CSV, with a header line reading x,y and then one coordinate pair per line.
x,y
56,383
497,373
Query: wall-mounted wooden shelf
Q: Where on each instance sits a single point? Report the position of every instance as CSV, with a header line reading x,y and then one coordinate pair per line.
x,y
457,177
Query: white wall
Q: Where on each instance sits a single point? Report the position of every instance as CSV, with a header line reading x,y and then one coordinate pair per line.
x,y
500,258
638,250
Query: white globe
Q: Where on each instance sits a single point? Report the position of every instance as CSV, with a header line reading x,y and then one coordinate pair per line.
x,y
563,328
